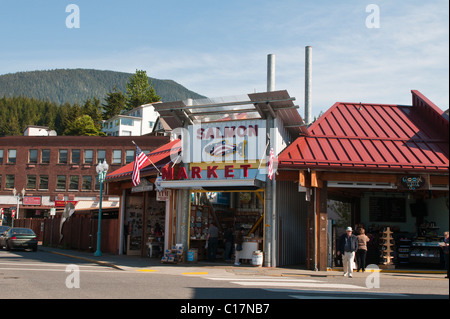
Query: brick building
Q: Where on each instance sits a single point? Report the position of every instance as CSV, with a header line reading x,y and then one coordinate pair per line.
x,y
54,169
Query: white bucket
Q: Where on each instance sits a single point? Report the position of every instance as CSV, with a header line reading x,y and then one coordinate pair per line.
x,y
257,258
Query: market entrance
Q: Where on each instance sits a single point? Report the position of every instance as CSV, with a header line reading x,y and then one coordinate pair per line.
x,y
416,221
144,224
230,211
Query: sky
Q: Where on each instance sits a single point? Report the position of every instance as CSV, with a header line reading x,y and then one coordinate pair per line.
x,y
370,51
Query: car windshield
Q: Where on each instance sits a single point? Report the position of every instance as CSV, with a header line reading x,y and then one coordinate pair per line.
x,y
3,229
21,231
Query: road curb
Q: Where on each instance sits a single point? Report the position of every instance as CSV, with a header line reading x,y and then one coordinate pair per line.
x,y
99,262
401,271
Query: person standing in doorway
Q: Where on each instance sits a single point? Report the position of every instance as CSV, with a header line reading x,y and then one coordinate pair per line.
x,y
229,239
362,250
348,245
238,246
213,240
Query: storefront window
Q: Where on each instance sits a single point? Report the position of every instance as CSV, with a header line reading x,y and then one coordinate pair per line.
x,y
229,211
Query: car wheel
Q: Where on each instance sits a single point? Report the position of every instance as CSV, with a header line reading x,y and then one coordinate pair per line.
x,y
7,246
35,248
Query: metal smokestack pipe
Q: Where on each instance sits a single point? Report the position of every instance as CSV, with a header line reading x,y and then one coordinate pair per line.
x,y
308,77
270,72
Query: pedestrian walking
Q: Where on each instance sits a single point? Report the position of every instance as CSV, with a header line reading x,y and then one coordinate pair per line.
x,y
238,246
362,250
229,240
348,245
212,241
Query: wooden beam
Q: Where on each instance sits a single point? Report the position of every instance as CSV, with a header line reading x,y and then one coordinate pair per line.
x,y
315,180
358,177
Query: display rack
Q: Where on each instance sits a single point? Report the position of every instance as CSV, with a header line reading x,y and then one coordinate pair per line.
x,y
387,248
425,253
403,250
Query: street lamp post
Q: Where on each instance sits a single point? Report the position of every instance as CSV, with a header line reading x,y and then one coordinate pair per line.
x,y
17,196
101,168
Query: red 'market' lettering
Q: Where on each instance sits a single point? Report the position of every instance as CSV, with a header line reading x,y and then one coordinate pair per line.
x,y
245,168
212,172
195,172
229,169
167,173
182,173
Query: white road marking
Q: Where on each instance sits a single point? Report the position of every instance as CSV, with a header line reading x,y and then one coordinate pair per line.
x,y
60,270
297,284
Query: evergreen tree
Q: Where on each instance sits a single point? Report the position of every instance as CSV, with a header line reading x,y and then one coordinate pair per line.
x,y
140,91
94,110
83,126
115,102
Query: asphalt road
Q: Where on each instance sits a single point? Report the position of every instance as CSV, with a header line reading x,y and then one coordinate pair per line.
x,y
43,275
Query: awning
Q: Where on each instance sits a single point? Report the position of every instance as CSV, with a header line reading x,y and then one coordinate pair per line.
x,y
86,205
159,157
365,136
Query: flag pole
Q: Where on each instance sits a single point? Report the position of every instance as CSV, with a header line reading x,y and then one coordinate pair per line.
x,y
149,160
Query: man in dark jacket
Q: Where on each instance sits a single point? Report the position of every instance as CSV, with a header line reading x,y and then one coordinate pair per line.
x,y
348,245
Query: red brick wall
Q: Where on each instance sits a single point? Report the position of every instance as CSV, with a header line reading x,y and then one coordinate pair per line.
x,y
22,144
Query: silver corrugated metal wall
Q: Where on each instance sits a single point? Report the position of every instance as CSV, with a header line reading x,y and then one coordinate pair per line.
x,y
291,213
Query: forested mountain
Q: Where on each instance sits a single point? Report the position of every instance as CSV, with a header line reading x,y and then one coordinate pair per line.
x,y
78,85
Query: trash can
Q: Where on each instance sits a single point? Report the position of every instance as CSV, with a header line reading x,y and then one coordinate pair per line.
x,y
257,258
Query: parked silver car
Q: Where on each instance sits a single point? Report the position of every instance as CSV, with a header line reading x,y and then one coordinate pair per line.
x,y
17,237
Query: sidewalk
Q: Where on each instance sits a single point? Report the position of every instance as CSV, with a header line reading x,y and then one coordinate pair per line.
x,y
124,262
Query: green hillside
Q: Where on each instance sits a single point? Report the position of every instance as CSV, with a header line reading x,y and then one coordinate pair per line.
x,y
78,85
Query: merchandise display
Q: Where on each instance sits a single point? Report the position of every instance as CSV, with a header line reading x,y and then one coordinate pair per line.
x,y
227,210
174,255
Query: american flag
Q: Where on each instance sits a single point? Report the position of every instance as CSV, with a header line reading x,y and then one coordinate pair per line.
x,y
140,160
271,158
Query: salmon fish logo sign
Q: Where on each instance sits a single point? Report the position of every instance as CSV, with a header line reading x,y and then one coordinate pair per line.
x,y
223,148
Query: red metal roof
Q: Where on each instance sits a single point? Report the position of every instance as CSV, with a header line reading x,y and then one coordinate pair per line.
x,y
160,157
375,137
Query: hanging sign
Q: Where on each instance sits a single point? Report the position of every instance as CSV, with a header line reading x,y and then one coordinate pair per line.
x,y
62,203
163,195
413,182
32,200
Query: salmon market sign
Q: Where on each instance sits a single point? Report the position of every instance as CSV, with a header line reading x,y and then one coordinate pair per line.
x,y
225,142
228,150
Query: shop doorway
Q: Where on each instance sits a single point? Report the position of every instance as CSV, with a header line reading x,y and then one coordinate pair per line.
x,y
229,211
144,225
